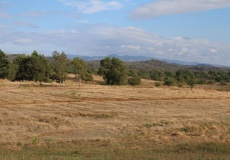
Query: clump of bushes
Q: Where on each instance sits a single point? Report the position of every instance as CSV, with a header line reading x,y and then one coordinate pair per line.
x,y
134,81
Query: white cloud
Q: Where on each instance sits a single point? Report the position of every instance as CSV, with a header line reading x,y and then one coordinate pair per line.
x,y
3,4
2,27
213,50
167,7
3,13
25,24
33,14
105,40
92,6
128,48
22,41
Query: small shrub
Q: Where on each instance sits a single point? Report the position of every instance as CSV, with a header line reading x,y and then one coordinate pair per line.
x,y
169,81
19,144
188,129
210,82
162,123
35,141
222,83
201,82
180,85
157,84
134,81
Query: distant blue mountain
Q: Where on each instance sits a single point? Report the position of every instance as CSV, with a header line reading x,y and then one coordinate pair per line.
x,y
123,58
141,58
181,62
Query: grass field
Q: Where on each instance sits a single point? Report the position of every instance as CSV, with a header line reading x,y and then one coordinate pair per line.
x,y
92,121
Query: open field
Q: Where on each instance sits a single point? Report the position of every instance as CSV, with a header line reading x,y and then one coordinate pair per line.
x,y
91,121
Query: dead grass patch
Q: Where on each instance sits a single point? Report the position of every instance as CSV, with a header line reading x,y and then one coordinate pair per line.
x,y
118,120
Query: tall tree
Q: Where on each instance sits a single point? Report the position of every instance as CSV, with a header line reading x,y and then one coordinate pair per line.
x,y
4,65
114,71
79,65
60,62
13,68
41,67
24,70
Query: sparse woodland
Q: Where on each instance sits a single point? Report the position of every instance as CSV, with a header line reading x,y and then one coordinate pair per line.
x,y
36,67
92,121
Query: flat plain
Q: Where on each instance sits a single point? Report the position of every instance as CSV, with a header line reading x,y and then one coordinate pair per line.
x,y
93,121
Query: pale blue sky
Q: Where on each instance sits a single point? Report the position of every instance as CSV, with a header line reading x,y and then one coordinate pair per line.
x,y
183,30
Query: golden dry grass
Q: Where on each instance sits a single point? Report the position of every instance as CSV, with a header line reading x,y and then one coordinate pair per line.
x,y
33,113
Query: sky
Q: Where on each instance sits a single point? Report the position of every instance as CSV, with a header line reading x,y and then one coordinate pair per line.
x,y
183,30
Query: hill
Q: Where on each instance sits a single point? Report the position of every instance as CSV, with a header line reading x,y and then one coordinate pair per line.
x,y
161,65
144,63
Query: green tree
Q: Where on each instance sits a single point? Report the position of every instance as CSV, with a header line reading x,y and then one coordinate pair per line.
x,y
134,81
80,68
79,65
86,76
24,70
185,76
4,65
60,62
191,83
33,68
13,68
157,75
169,81
114,71
41,67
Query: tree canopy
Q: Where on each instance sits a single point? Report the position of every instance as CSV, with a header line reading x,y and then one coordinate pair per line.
x,y
114,71
81,69
4,65
60,62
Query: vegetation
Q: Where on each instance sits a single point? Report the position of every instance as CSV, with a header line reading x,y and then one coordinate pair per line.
x,y
36,67
172,74
114,71
134,81
124,122
190,78
105,150
4,65
100,122
59,65
41,68
81,69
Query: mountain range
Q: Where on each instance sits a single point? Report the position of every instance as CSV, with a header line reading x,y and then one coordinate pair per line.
x,y
134,59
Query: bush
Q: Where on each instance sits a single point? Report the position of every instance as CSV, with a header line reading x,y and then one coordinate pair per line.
x,y
157,84
223,83
201,82
134,81
169,81
180,85
114,71
210,82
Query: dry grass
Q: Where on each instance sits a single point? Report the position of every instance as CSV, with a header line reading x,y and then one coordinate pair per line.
x,y
52,113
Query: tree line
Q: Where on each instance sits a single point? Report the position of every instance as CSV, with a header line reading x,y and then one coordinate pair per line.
x,y
183,76
36,67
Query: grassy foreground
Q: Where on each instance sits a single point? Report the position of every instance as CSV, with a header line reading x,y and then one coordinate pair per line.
x,y
104,150
91,121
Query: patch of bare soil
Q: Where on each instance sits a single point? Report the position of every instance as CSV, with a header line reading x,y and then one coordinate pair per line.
x,y
66,113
